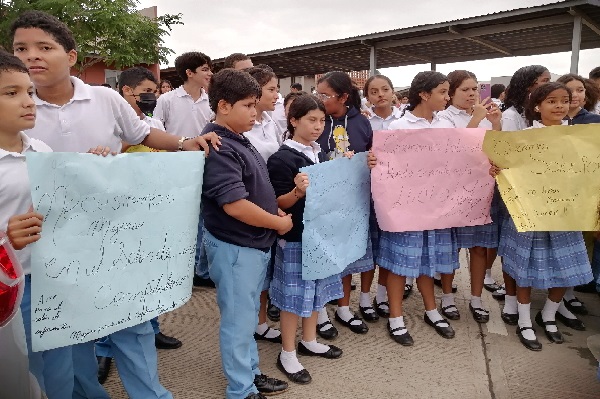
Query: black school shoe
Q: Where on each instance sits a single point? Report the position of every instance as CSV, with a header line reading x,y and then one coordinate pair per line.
x,y
403,339
575,306
333,353
499,294
510,319
575,324
203,282
408,289
263,337
531,344
382,312
273,312
361,328
450,312
104,364
480,315
446,332
162,341
439,284
301,377
492,287
330,334
555,337
369,314
588,288
269,386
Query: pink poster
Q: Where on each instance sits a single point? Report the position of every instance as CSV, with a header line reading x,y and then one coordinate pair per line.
x,y
428,179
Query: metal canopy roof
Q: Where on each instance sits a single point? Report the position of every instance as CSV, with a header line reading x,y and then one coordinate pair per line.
x,y
526,31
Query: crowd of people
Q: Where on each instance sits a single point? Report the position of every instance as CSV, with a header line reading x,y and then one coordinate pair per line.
x,y
249,244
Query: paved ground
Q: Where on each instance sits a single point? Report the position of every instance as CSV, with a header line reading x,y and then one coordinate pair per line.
x,y
481,362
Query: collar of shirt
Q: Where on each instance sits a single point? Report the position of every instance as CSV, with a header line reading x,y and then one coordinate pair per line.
x,y
81,91
410,117
311,151
180,92
27,144
537,124
396,114
266,119
452,109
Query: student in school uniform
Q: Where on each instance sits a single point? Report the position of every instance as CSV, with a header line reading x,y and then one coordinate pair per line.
x,y
379,90
241,222
467,110
544,260
292,294
520,87
133,82
74,117
266,137
419,254
579,115
238,61
164,86
346,129
17,114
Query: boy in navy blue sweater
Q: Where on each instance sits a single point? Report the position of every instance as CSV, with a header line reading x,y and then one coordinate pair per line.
x,y
241,222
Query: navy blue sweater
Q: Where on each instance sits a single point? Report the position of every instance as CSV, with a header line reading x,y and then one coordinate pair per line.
x,y
584,117
358,128
237,171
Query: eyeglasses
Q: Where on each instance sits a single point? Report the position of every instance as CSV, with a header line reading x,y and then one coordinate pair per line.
x,y
324,97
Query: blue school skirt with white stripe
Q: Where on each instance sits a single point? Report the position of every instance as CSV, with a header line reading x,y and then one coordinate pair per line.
x,y
419,253
292,294
487,235
544,259
364,264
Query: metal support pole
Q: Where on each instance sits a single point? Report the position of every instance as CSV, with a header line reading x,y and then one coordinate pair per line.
x,y
373,61
576,43
433,65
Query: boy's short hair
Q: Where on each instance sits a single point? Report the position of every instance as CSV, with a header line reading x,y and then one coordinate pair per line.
x,y
233,58
595,73
231,86
10,63
496,90
132,77
191,61
296,86
48,23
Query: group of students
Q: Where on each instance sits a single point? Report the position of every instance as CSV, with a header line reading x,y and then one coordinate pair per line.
x,y
250,230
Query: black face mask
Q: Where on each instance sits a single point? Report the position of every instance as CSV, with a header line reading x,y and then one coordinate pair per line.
x,y
147,103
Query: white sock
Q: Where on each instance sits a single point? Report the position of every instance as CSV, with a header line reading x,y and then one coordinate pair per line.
x,y
345,314
488,277
365,301
273,332
381,295
562,309
510,304
525,320
410,281
448,300
398,322
290,362
570,294
437,276
476,303
549,313
323,318
314,346
434,316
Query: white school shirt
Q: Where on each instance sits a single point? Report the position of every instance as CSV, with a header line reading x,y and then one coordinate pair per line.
x,y
538,124
15,193
153,122
512,120
95,116
409,121
265,136
278,115
459,118
378,123
311,151
181,115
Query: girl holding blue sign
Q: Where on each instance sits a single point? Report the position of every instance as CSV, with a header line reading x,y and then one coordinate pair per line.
x,y
288,291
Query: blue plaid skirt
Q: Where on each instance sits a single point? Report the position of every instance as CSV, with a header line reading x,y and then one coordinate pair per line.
x,y
487,235
419,253
290,293
542,259
364,264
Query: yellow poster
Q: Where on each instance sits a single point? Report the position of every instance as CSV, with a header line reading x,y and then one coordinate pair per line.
x,y
550,178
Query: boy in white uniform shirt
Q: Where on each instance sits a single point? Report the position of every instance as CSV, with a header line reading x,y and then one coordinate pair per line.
x,y
74,117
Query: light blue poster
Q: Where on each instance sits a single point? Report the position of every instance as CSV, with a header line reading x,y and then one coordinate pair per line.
x,y
336,216
118,241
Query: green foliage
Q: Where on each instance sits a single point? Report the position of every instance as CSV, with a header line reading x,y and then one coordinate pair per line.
x,y
105,30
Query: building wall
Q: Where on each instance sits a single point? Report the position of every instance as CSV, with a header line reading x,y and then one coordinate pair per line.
x,y
97,73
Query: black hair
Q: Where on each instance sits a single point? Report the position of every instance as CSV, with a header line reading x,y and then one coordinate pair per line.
x,y
191,61
301,106
163,81
341,84
264,66
496,90
10,63
231,86
291,97
296,86
517,91
106,85
233,58
595,73
371,79
455,78
538,96
46,22
133,77
592,95
423,82
262,75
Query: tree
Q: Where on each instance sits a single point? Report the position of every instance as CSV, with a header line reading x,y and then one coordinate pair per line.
x,y
105,30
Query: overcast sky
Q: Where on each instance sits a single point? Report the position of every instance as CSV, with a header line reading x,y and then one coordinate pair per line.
x,y
219,28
